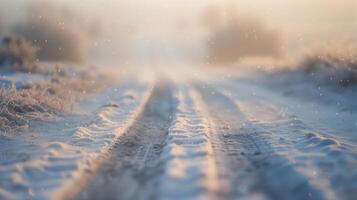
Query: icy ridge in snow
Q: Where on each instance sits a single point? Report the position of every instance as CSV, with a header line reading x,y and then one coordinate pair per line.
x,y
190,170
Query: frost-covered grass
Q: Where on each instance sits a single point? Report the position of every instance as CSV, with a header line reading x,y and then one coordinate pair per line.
x,y
40,99
43,100
18,107
331,67
55,94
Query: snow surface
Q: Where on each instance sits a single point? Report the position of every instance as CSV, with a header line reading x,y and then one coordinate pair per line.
x,y
228,138
40,161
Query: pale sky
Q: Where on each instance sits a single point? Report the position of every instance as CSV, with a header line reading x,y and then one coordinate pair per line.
x,y
309,21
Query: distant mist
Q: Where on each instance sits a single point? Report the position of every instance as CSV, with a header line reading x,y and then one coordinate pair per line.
x,y
18,53
2,29
233,37
57,31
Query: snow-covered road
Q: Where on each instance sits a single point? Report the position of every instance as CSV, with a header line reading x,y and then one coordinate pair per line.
x,y
187,138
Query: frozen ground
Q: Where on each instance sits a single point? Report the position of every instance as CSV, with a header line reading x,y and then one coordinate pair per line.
x,y
183,136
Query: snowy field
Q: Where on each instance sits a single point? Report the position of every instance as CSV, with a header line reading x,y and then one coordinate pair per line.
x,y
183,136
178,100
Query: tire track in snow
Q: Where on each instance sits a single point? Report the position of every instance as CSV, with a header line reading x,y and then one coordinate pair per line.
x,y
131,169
50,158
254,168
323,158
97,137
190,170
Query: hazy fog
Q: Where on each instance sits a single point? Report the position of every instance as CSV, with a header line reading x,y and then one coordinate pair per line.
x,y
177,24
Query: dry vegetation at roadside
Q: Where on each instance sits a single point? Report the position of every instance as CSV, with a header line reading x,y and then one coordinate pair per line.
x,y
58,36
233,37
58,32
40,100
17,54
18,107
333,66
340,69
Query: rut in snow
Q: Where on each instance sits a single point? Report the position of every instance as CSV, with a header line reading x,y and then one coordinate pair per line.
x,y
130,170
249,163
